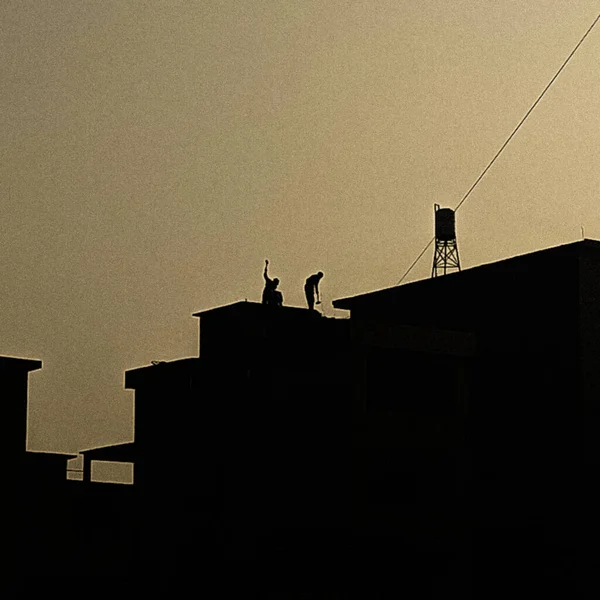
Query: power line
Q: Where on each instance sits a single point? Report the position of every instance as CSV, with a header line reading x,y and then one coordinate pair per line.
x,y
510,137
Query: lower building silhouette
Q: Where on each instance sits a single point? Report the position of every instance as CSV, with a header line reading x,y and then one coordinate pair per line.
x,y
442,440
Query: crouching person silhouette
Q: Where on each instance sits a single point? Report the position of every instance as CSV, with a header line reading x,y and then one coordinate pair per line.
x,y
271,296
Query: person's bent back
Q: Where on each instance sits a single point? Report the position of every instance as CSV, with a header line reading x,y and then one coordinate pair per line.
x,y
311,287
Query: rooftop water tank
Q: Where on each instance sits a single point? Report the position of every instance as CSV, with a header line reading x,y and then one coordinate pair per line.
x,y
445,229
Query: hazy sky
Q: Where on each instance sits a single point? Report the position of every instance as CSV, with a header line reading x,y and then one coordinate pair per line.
x,y
154,153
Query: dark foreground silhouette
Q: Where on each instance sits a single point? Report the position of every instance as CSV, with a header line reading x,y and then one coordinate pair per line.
x,y
442,442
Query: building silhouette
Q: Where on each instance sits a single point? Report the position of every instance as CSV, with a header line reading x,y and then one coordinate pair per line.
x,y
441,440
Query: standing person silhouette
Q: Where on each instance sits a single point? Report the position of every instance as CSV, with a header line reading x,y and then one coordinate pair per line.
x,y
311,287
271,296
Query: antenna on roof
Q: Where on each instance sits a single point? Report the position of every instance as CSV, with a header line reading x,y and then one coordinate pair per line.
x,y
445,256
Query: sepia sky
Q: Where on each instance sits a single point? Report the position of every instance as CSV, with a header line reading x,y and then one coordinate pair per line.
x,y
154,153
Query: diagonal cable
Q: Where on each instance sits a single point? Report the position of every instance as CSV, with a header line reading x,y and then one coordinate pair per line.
x,y
508,139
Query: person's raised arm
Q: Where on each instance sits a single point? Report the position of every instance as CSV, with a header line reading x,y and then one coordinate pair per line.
x,y
265,272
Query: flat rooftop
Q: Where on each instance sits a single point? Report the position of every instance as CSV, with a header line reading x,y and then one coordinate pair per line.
x,y
256,309
519,262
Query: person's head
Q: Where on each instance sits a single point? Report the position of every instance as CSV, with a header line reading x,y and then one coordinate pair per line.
x,y
275,282
320,275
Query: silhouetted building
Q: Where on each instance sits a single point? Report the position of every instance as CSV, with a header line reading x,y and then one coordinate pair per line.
x,y
280,426
30,502
533,414
442,440
14,374
55,530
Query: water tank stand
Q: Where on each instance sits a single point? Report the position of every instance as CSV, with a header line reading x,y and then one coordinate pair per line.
x,y
445,258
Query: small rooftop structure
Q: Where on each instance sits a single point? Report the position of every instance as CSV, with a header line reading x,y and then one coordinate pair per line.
x,y
12,364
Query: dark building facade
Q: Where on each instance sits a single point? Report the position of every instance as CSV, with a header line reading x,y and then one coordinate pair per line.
x,y
533,416
32,508
55,531
441,440
291,442
14,378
